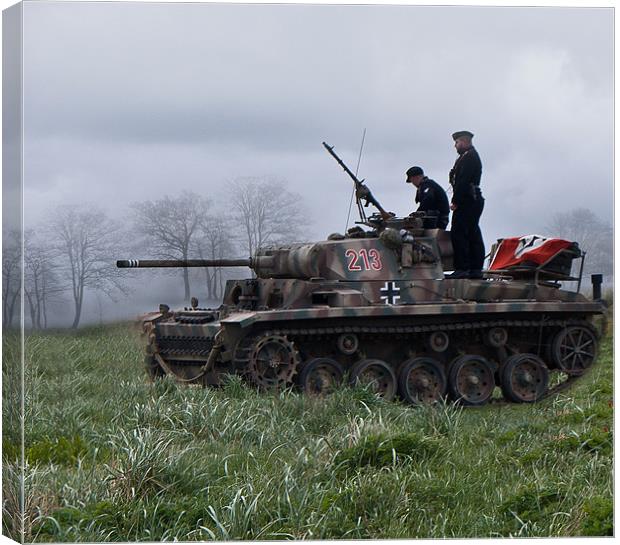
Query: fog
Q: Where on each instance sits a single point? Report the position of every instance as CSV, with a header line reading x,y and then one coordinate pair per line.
x,y
130,102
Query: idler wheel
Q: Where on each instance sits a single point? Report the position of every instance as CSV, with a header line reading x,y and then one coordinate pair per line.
x,y
524,378
320,376
422,380
348,343
471,380
273,362
438,341
574,350
376,373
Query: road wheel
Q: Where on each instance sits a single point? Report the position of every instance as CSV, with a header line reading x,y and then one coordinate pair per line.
x,y
376,373
574,350
422,380
471,380
524,378
320,376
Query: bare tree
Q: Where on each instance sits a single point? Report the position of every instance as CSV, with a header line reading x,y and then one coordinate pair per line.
x,y
11,274
87,242
215,242
169,226
267,211
593,235
41,283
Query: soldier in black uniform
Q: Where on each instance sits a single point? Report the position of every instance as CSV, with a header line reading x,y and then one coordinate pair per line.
x,y
431,197
467,205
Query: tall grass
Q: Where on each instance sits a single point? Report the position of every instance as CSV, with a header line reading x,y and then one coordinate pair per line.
x,y
112,457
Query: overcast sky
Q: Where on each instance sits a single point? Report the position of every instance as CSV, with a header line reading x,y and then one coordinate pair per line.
x,y
125,102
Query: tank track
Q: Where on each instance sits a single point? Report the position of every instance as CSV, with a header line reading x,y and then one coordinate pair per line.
x,y
429,328
368,332
303,336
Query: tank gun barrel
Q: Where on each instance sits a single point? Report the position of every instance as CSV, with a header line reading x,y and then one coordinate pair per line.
x,y
296,261
178,263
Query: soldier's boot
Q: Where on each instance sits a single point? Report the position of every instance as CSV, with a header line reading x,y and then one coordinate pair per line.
x,y
458,274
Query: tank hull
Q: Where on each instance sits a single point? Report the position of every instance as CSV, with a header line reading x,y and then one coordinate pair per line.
x,y
416,351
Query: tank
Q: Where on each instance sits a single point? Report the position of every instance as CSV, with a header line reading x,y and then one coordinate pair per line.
x,y
373,306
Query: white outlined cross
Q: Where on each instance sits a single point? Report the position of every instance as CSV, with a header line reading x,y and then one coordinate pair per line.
x,y
390,293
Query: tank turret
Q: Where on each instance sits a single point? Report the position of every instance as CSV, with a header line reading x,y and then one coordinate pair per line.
x,y
363,256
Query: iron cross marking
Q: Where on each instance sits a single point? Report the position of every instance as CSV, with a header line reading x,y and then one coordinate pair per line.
x,y
390,293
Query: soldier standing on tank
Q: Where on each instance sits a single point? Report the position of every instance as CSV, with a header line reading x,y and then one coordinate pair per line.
x,y
467,205
431,197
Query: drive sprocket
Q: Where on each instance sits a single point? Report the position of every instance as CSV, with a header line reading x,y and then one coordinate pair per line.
x,y
273,361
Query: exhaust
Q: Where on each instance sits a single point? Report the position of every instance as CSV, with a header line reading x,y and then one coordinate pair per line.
x,y
597,280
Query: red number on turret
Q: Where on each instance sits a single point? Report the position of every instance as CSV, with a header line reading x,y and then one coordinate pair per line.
x,y
352,255
375,256
364,256
371,259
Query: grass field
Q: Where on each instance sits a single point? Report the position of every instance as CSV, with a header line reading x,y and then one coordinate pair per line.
x,y
112,457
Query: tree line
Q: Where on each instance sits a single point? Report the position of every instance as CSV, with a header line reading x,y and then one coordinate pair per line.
x,y
595,237
73,251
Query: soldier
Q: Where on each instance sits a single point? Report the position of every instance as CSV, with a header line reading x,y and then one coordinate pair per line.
x,y
431,197
467,205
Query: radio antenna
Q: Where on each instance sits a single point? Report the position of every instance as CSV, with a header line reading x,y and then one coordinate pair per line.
x,y
356,170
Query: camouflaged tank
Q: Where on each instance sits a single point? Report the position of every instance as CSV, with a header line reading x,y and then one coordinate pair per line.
x,y
373,306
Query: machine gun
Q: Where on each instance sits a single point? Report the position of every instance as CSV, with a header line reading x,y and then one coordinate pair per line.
x,y
361,191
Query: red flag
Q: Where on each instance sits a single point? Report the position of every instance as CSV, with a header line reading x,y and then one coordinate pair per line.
x,y
531,248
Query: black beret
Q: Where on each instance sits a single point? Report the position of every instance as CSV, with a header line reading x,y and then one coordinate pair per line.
x,y
415,171
458,134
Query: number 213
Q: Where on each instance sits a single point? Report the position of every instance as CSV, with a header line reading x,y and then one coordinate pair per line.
x,y
364,260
